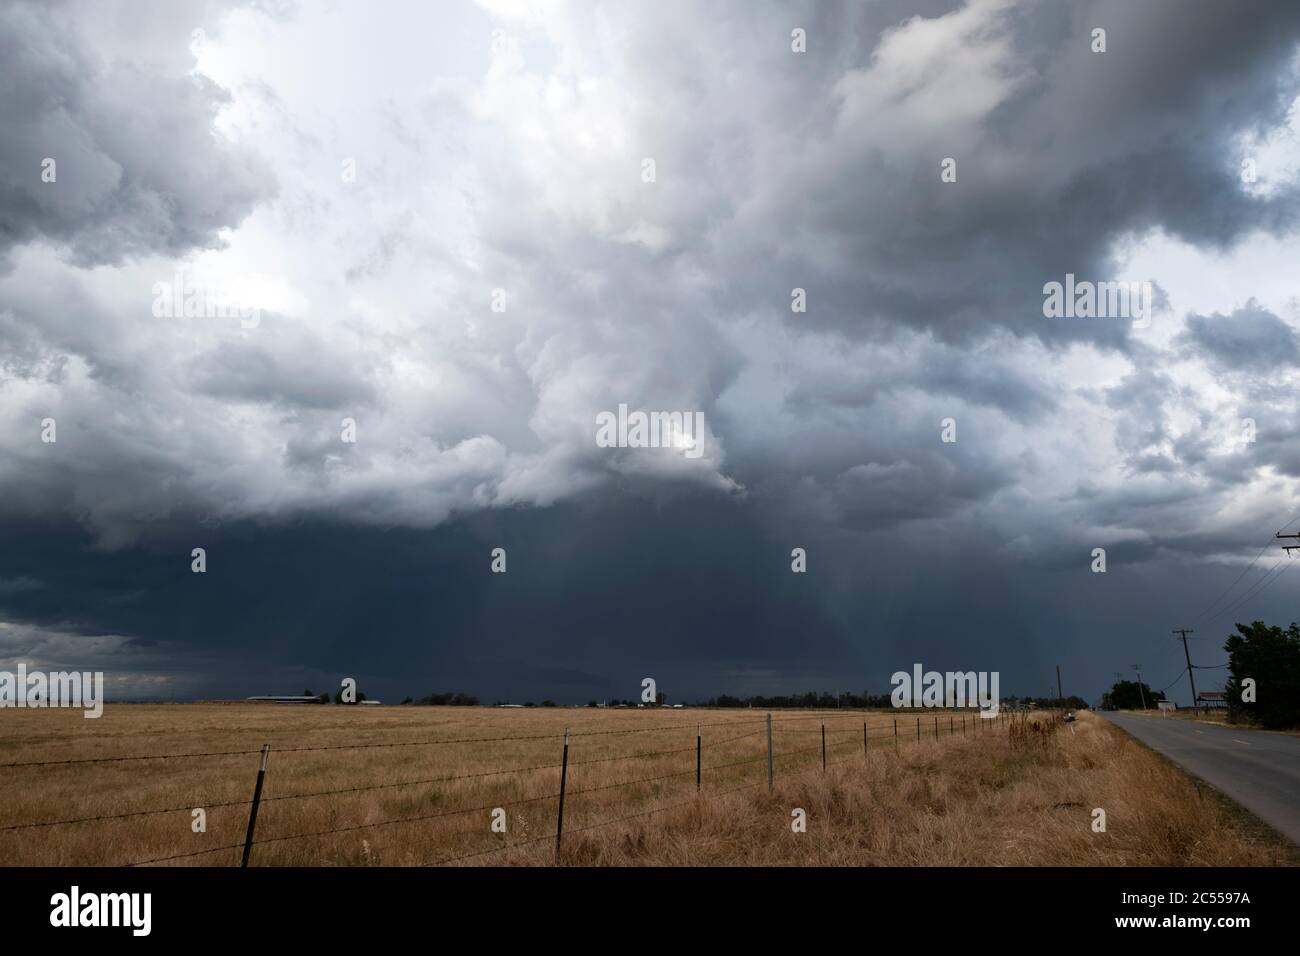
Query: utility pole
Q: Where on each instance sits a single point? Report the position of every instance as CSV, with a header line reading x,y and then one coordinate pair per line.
x,y
1288,548
1141,692
1186,654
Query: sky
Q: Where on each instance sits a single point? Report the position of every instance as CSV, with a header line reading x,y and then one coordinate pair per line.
x,y
432,243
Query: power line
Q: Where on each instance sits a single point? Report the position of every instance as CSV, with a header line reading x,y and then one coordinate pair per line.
x,y
1173,682
1235,580
1257,589
1238,578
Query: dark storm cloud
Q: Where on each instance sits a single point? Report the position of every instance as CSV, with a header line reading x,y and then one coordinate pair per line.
x,y
1250,339
1060,152
595,599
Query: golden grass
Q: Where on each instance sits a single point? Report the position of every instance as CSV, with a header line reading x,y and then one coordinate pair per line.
x,y
979,798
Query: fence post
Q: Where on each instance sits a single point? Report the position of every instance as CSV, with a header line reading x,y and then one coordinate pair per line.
x,y
936,726
257,799
895,734
697,759
823,746
864,736
918,728
769,751
564,776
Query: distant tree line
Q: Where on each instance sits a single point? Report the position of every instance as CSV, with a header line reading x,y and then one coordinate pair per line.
x,y
1073,702
444,700
864,701
809,700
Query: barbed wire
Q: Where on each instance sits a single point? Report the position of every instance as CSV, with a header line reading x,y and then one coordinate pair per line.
x,y
208,805
882,740
122,816
400,743
183,856
79,760
400,820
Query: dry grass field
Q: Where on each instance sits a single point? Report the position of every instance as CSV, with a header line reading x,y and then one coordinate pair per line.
x,y
334,798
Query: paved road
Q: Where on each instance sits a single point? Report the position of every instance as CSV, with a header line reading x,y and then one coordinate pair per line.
x,y
1259,770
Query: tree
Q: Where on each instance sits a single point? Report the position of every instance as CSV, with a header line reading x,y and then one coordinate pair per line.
x,y
1127,695
1271,657
449,700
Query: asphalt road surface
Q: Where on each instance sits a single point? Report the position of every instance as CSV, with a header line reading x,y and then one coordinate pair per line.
x,y
1259,770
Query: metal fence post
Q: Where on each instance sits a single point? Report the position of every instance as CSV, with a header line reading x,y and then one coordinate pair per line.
x,y
864,736
823,746
936,726
769,751
918,728
895,733
698,748
257,800
564,776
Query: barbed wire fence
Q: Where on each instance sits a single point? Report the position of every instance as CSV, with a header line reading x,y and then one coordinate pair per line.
x,y
909,729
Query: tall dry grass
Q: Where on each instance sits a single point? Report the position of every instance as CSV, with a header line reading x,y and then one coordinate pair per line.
x,y
984,797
